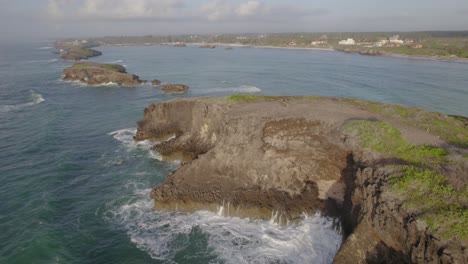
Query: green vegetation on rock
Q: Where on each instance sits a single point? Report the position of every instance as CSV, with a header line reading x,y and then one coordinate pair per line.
x,y
426,193
432,199
78,53
451,129
250,98
385,138
110,67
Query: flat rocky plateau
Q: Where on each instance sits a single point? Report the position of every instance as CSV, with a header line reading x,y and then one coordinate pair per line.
x,y
365,163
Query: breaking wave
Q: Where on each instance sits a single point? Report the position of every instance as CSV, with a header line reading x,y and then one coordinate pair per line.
x,y
117,61
41,61
228,239
210,237
125,136
45,48
36,98
240,89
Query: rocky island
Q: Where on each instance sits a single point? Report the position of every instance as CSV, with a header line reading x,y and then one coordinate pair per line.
x,y
91,73
395,176
208,46
80,54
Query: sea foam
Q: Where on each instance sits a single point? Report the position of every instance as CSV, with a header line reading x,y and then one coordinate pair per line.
x,y
125,136
240,89
229,239
36,98
163,235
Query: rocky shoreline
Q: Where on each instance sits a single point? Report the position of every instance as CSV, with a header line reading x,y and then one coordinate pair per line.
x,y
284,156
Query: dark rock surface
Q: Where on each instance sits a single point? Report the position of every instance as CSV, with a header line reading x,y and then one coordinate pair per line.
x,y
370,52
155,83
208,46
174,88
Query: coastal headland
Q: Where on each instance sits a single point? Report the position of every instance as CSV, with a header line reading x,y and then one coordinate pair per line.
x,y
395,176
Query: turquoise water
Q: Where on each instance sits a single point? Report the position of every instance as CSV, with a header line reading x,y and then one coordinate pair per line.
x,y
75,187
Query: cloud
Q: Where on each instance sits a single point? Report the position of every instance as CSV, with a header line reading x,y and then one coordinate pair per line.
x,y
219,10
173,10
249,8
113,9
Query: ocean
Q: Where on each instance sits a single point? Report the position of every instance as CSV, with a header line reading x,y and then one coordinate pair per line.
x,y
75,186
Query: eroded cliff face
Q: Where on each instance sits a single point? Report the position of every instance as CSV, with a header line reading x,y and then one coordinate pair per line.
x,y
382,231
259,166
287,156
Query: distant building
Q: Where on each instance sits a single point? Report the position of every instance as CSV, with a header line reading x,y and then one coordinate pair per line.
x,y
324,37
416,46
320,42
394,37
349,41
292,43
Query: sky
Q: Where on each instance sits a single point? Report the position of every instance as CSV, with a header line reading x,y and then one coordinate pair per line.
x,y
33,19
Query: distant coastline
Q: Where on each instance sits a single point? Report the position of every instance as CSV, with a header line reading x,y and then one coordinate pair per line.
x,y
451,46
233,45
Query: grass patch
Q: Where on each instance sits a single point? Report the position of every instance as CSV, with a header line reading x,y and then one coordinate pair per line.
x,y
452,129
256,98
428,195
385,138
105,66
243,98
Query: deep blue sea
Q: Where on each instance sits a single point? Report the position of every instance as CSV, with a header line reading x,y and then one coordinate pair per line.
x,y
74,187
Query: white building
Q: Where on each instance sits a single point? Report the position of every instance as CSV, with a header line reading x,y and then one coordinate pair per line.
x,y
316,43
349,41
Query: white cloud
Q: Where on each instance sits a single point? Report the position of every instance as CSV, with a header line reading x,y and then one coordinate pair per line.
x,y
113,9
220,10
173,10
249,8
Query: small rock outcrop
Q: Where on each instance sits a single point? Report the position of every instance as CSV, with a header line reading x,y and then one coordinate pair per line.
x,y
99,73
370,52
174,88
155,83
180,45
263,156
208,46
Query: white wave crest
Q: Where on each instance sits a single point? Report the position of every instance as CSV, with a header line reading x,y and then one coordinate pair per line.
x,y
41,61
240,89
117,61
36,98
229,239
45,48
126,137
